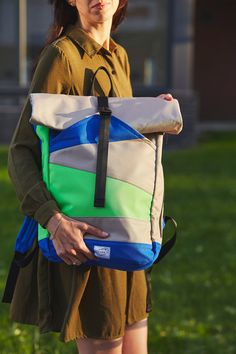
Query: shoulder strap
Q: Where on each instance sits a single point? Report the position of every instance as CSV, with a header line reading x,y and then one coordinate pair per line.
x,y
168,245
20,260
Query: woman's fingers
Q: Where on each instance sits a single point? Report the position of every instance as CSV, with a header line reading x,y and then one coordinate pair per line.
x,y
166,96
82,251
68,254
92,230
82,248
84,227
88,253
71,261
75,245
69,243
81,258
63,252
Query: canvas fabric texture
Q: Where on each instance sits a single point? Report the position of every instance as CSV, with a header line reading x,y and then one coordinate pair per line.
x,y
68,127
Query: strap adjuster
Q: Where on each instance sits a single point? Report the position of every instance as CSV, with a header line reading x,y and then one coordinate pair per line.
x,y
105,111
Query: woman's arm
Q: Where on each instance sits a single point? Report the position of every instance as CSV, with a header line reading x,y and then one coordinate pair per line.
x,y
52,75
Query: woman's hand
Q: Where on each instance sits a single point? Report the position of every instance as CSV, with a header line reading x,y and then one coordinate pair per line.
x,y
67,237
166,96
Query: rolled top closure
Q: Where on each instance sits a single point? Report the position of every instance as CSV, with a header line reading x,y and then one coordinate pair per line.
x,y
145,114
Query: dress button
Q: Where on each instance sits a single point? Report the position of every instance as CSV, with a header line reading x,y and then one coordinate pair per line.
x,y
113,72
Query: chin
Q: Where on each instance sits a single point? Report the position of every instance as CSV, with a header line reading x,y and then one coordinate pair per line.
x,y
102,17
107,10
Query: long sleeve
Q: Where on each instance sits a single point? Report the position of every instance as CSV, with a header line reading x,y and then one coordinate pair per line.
x,y
52,75
125,65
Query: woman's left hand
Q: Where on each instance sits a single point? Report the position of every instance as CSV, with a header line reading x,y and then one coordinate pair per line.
x,y
166,96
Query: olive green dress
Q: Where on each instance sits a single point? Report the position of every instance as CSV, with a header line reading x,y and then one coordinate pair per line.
x,y
78,302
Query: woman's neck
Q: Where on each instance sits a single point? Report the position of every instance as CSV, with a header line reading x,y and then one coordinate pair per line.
x,y
100,33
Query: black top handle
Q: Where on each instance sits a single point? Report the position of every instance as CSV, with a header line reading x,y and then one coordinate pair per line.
x,y
111,92
103,141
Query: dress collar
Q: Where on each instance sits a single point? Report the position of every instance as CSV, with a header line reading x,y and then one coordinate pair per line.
x,y
87,43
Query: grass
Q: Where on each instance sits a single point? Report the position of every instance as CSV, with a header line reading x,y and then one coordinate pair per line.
x,y
194,309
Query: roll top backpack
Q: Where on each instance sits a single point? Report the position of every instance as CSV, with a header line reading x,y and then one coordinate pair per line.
x,y
102,163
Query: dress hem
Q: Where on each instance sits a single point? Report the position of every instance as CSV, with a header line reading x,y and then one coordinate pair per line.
x,y
67,339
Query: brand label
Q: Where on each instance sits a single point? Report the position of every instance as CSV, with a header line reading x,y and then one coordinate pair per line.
x,y
102,252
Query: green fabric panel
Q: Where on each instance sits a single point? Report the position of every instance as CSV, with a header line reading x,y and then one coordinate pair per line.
x,y
76,189
131,169
43,134
42,233
74,192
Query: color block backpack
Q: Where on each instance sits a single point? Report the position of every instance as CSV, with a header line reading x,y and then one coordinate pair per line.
x,y
101,168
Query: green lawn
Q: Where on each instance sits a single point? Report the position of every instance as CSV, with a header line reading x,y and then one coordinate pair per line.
x,y
194,288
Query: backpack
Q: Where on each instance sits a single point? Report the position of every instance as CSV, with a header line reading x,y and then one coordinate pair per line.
x,y
101,168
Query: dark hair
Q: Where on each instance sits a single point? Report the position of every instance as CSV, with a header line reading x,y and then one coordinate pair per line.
x,y
64,14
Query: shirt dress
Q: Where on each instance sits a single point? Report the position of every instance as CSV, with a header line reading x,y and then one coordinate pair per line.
x,y
77,301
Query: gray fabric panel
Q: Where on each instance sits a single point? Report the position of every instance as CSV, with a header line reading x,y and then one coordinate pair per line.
x,y
121,229
132,161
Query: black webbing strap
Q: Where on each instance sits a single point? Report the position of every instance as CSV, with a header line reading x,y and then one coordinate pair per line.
x,y
168,244
149,290
102,152
90,89
163,252
103,141
11,282
20,260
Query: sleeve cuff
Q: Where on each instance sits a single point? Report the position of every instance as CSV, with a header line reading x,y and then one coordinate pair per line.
x,y
45,212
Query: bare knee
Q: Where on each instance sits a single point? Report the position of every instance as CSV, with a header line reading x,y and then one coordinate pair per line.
x,y
140,325
135,338
98,346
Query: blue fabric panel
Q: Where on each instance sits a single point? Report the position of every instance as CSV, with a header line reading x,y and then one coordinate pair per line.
x,y
48,250
136,256
87,132
27,234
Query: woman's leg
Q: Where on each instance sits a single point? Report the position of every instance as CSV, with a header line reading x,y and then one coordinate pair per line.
x,y
96,346
133,342
135,338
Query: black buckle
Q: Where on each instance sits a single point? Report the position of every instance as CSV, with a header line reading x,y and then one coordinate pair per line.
x,y
105,111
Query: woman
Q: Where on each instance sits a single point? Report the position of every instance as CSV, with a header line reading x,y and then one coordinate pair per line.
x,y
103,310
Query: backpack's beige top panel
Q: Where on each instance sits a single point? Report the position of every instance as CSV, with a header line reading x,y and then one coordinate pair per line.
x,y
145,114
